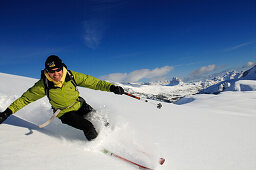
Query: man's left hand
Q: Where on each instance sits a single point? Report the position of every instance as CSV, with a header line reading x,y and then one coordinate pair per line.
x,y
4,115
117,89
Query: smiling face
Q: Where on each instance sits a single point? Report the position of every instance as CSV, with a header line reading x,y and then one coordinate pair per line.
x,y
56,74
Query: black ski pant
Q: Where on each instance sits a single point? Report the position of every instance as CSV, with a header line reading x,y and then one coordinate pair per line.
x,y
77,119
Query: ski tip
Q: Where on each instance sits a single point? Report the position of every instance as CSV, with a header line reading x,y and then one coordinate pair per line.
x,y
161,161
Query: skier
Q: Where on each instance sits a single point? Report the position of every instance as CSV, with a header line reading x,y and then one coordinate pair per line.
x,y
59,84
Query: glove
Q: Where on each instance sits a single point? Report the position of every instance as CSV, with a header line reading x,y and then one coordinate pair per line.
x,y
117,89
4,115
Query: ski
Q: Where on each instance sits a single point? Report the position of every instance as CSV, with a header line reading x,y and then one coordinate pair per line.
x,y
162,160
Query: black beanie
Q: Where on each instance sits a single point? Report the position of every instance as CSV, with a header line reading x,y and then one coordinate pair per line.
x,y
52,62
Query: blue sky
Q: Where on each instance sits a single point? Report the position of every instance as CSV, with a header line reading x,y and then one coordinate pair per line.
x,y
128,40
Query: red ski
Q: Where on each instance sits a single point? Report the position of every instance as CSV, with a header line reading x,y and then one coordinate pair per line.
x,y
161,161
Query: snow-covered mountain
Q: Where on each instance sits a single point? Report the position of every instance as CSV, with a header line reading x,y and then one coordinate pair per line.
x,y
191,135
175,81
173,90
228,76
249,74
240,82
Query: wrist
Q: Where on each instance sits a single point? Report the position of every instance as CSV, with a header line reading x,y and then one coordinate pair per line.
x,y
112,88
8,112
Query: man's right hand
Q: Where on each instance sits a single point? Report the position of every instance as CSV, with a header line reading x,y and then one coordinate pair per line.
x,y
4,115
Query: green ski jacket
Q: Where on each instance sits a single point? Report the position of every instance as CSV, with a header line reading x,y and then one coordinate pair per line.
x,y
61,97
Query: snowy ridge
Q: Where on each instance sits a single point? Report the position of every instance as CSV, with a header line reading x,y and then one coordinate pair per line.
x,y
171,91
175,81
191,135
239,82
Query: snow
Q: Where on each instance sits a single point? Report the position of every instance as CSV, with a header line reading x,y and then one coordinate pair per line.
x,y
244,82
199,132
172,90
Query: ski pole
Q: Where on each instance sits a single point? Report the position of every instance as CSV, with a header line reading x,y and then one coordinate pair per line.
x,y
159,105
126,160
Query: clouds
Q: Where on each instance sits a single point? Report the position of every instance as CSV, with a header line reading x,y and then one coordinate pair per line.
x,y
98,14
94,31
115,77
137,75
162,73
156,74
201,73
241,45
250,64
203,70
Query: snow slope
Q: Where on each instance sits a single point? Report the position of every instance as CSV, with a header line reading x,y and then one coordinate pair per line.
x,y
200,132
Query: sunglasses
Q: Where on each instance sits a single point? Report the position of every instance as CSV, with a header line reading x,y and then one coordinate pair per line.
x,y
53,71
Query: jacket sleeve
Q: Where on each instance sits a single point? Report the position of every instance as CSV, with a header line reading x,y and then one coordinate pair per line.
x,y
32,94
91,82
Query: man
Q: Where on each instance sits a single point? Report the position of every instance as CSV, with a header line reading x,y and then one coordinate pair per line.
x,y
59,84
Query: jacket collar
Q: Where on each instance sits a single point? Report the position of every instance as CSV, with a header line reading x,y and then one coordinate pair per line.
x,y
59,83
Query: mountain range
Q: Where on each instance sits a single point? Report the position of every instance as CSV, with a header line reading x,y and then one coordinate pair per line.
x,y
172,90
